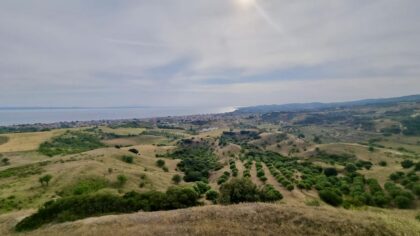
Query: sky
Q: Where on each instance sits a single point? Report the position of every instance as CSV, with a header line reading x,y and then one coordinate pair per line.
x,y
206,52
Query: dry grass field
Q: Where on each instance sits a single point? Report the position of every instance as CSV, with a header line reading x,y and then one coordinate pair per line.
x,y
18,142
242,219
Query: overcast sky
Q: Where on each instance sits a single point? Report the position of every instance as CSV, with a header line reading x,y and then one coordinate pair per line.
x,y
206,52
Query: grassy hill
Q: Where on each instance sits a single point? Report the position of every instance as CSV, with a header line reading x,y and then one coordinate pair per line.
x,y
243,219
359,159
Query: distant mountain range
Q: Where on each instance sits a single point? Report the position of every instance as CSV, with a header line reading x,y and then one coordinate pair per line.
x,y
317,105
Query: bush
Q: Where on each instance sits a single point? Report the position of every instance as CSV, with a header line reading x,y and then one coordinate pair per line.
x,y
383,163
160,163
70,143
192,176
44,180
121,180
331,197
269,194
5,161
212,195
85,186
407,164
79,207
133,150
201,187
176,179
416,189
165,168
127,159
222,179
239,190
350,168
330,172
177,197
402,202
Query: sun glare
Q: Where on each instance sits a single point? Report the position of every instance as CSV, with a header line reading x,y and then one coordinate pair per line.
x,y
245,3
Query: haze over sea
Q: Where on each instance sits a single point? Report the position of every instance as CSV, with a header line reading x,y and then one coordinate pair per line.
x,y
13,116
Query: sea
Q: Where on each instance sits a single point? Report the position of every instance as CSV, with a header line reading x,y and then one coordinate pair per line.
x,y
16,116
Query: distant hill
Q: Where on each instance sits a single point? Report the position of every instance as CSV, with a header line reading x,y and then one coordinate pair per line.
x,y
317,105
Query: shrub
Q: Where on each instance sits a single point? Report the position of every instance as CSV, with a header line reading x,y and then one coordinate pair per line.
x,y
383,163
407,164
222,179
160,163
70,143
192,176
239,190
44,180
127,159
85,186
350,168
165,168
396,176
313,202
79,207
176,179
290,187
177,197
402,202
201,187
133,150
212,195
330,172
121,180
5,161
269,194
331,197
416,189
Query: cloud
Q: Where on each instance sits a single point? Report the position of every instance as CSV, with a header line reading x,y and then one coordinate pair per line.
x,y
207,52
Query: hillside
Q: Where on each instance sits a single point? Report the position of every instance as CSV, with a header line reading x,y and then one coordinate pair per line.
x,y
317,105
360,163
243,219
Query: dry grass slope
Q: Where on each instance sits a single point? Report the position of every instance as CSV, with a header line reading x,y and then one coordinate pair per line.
x,y
243,219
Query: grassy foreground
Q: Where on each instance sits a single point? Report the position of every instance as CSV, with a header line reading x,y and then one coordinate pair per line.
x,y
242,219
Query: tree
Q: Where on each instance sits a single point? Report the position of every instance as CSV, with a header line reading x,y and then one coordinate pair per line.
x,y
160,163
239,190
407,164
212,195
121,180
201,187
331,197
45,179
181,197
176,179
402,202
350,168
269,194
330,171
